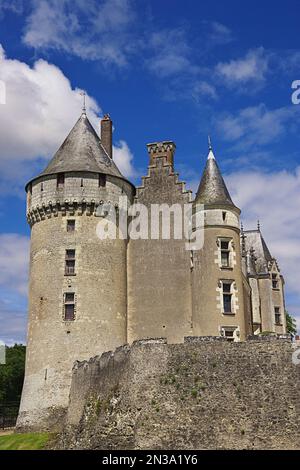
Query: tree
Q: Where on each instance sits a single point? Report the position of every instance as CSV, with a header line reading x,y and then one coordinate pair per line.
x,y
291,326
12,374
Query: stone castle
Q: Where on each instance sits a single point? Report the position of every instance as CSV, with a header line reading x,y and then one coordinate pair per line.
x,y
88,296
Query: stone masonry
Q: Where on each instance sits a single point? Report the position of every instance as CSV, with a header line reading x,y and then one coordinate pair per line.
x,y
204,394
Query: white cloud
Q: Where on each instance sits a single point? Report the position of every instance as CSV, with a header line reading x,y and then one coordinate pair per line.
x,y
257,125
219,33
16,6
89,29
203,88
274,199
14,260
41,108
170,53
124,159
253,67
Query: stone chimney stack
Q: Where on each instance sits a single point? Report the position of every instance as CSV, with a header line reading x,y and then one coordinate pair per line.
x,y
162,149
106,134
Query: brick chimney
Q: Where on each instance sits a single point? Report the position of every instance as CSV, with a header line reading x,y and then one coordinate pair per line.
x,y
162,149
106,134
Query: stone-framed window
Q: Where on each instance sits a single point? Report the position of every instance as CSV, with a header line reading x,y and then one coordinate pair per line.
x,y
70,262
227,297
225,253
60,180
101,180
69,306
277,314
231,333
71,225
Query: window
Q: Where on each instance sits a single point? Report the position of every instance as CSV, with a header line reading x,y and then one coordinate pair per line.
x,y
224,216
229,332
81,183
274,281
69,306
227,297
42,186
70,262
60,180
225,251
102,180
70,225
277,316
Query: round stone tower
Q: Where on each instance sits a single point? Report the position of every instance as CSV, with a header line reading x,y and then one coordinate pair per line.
x,y
217,279
78,283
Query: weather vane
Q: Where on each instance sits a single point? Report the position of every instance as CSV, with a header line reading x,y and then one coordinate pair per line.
x,y
209,143
83,93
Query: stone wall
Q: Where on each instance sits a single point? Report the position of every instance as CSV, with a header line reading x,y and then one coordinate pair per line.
x,y
204,394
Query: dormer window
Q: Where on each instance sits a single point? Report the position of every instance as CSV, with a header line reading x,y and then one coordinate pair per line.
x,y
274,281
60,180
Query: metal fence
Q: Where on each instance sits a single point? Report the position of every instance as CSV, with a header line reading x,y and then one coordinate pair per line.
x,y
8,414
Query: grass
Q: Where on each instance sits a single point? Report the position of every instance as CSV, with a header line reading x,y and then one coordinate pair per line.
x,y
32,441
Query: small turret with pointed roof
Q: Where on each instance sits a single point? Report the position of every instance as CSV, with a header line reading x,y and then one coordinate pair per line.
x,y
212,189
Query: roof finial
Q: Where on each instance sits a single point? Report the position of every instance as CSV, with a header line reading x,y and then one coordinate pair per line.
x,y
209,143
258,225
210,150
83,93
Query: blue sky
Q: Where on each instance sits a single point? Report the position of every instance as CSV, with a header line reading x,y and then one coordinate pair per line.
x,y
164,70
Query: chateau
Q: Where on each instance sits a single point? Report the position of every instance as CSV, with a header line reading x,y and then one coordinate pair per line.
x,y
88,296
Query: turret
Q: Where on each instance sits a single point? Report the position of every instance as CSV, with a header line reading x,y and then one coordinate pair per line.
x,y
78,283
217,279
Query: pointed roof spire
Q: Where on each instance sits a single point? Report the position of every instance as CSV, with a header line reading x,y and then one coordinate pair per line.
x,y
212,188
82,150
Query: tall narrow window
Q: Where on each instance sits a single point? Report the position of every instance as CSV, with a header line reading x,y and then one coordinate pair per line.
x,y
102,180
81,183
42,187
70,225
224,216
60,180
69,306
70,262
277,316
274,281
225,251
227,297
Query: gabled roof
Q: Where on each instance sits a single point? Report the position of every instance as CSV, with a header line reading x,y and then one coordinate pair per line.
x,y
82,150
255,240
212,188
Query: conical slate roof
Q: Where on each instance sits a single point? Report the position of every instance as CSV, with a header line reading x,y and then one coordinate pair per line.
x,y
82,150
212,188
